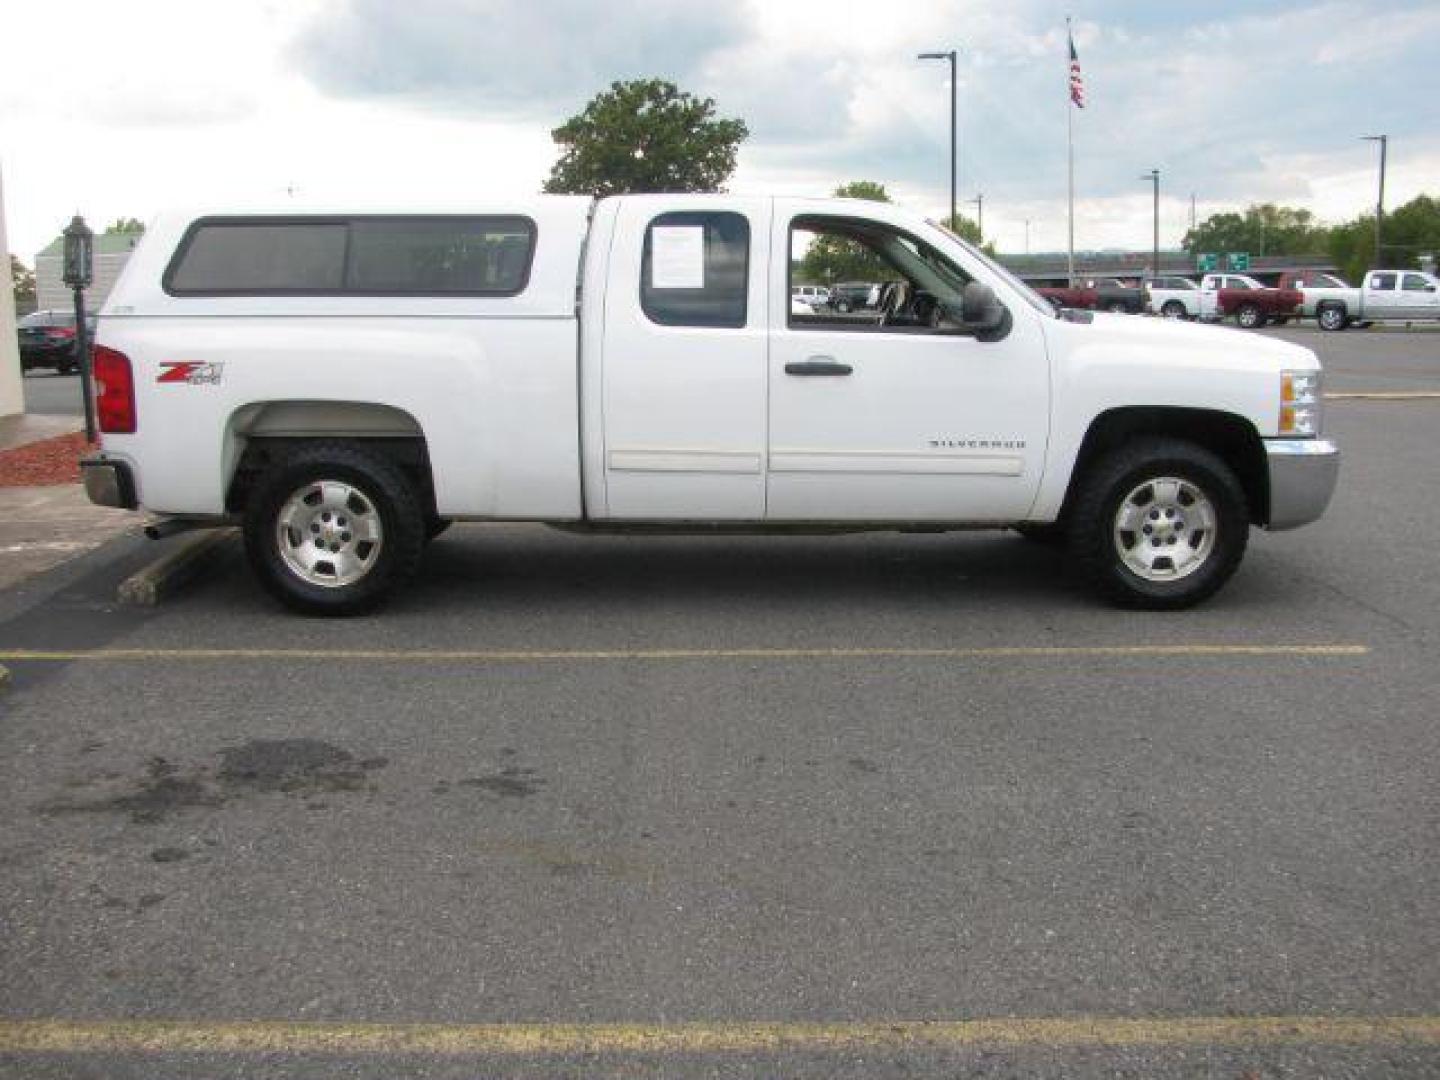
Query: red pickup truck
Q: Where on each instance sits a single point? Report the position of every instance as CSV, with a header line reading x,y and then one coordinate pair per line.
x,y
1097,294
1251,304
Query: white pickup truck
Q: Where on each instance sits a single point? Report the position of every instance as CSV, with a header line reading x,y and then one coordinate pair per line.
x,y
345,383
1385,296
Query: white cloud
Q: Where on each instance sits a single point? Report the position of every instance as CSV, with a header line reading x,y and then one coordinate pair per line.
x,y
172,100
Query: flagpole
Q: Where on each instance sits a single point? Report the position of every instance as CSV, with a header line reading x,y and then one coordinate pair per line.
x,y
1070,158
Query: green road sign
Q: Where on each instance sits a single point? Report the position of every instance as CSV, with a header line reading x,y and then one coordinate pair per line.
x,y
1238,260
1207,263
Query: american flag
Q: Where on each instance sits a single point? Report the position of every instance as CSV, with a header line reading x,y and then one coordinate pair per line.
x,y
1077,82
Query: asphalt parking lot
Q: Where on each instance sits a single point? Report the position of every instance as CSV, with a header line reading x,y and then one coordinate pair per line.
x,y
745,806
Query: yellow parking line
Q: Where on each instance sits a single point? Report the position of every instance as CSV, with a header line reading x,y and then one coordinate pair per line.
x,y
1381,395
281,1037
501,656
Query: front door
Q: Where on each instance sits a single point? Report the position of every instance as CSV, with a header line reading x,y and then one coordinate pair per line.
x,y
1420,297
890,414
683,356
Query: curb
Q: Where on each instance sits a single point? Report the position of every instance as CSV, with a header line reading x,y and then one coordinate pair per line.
x,y
151,584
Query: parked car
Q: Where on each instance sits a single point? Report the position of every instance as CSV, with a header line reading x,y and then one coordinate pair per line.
x,y
1097,294
1244,299
1173,297
48,340
854,296
1386,296
813,295
324,380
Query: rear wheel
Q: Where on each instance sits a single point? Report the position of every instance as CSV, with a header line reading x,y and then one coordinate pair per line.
x,y
1250,317
1173,309
333,528
1159,524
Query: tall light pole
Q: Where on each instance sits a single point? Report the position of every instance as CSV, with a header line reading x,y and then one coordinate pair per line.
x,y
979,201
954,136
1027,236
1384,141
1154,177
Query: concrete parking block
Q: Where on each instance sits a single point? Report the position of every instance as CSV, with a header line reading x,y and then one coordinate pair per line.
x,y
148,586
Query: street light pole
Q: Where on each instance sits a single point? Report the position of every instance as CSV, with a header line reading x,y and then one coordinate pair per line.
x,y
954,135
1384,141
1154,177
979,201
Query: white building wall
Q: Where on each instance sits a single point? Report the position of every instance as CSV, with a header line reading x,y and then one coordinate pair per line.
x,y
12,395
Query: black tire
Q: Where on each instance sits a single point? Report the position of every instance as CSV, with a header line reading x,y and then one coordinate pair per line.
x,y
1103,491
1116,307
1332,318
1173,309
376,479
1249,317
434,526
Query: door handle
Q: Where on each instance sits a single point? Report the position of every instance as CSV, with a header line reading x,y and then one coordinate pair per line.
x,y
817,365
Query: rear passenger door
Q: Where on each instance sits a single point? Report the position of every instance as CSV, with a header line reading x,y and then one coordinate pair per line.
x,y
1382,297
684,360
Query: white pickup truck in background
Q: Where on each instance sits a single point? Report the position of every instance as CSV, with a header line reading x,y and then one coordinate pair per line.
x,y
344,382
1385,296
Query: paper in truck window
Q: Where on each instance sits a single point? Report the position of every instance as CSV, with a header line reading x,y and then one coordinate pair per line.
x,y
677,257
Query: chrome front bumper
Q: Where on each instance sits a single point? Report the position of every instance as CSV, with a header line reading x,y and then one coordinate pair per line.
x,y
1302,479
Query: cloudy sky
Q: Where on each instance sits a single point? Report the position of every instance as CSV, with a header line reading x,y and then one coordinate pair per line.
x,y
169,101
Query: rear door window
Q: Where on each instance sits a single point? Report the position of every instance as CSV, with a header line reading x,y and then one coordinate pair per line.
x,y
695,269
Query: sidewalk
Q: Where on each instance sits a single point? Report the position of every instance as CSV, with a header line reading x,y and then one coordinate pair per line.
x,y
41,527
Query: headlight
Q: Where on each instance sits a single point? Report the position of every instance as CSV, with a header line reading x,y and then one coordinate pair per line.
x,y
1300,403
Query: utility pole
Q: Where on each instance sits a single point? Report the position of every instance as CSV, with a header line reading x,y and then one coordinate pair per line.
x,y
1154,177
1384,141
1027,236
954,130
1192,211
979,201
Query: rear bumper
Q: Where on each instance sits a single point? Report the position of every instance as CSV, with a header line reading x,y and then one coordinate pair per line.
x,y
109,483
1303,473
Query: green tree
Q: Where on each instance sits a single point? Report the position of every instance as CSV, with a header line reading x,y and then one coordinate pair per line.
x,y
969,231
1408,232
645,135
831,258
22,281
1264,229
126,226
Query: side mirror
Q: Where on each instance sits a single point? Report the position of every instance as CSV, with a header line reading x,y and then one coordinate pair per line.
x,y
981,312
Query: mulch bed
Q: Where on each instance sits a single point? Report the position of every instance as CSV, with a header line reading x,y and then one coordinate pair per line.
x,y
40,464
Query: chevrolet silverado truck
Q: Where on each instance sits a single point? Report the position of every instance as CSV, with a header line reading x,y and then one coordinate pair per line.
x,y
1385,296
343,383
1173,297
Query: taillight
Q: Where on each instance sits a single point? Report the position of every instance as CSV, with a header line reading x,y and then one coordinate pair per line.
x,y
114,391
60,333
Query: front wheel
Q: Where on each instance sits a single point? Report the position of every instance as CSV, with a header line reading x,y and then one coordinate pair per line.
x,y
333,528
1250,317
1159,524
1333,319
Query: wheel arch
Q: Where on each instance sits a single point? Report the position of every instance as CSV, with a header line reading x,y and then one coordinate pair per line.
x,y
260,433
1230,437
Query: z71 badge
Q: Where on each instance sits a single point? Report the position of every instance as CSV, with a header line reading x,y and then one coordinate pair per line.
x,y
190,371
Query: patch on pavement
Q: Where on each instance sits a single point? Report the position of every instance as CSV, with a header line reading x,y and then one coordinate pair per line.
x,y
288,766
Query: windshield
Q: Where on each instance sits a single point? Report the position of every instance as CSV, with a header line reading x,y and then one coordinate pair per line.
x,y
1034,299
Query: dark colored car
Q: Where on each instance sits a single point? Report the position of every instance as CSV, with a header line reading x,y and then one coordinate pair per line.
x,y
47,340
853,295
